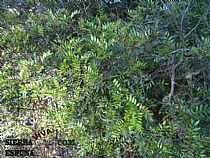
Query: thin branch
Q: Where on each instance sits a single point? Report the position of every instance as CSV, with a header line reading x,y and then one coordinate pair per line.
x,y
172,84
177,50
166,7
183,15
199,21
86,8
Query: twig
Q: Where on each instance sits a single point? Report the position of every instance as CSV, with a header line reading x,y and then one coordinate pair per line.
x,y
199,21
177,50
172,84
182,18
166,7
86,8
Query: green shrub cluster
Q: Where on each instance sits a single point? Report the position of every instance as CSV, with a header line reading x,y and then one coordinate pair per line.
x,y
136,86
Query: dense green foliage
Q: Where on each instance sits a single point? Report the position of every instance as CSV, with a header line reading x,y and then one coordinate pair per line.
x,y
132,86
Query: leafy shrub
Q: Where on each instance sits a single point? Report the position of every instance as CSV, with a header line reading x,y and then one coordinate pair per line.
x,y
135,87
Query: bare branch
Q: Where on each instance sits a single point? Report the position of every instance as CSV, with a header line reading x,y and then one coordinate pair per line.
x,y
183,15
166,7
199,21
176,51
172,84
